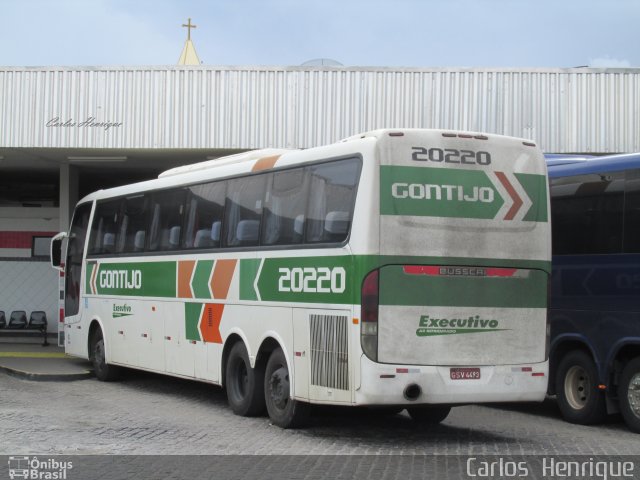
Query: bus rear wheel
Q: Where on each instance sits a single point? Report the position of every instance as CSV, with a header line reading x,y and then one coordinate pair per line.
x,y
429,415
102,370
283,410
579,399
629,393
243,383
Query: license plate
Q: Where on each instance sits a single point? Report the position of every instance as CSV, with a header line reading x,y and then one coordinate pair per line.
x,y
464,373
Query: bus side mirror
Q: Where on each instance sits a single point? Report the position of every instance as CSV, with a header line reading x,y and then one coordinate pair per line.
x,y
56,251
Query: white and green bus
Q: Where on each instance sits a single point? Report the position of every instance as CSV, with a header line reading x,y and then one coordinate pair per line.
x,y
402,268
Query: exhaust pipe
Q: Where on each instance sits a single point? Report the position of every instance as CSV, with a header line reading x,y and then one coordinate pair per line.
x,y
412,392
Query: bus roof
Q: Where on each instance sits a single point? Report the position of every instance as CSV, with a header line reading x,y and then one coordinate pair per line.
x,y
241,163
230,159
609,163
554,159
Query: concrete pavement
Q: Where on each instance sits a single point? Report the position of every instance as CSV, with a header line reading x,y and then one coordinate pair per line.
x,y
26,358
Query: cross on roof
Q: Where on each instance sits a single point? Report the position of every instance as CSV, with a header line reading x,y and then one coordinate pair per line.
x,y
189,26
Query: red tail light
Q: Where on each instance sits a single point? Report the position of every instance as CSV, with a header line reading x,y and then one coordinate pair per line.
x,y
369,314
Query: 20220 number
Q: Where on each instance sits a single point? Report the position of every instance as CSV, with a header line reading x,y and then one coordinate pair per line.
x,y
450,155
312,280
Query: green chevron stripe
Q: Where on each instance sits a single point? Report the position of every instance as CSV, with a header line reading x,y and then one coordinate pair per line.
x,y
192,314
201,276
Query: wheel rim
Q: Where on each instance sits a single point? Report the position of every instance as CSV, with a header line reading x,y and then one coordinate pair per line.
x,y
576,387
279,388
241,379
633,394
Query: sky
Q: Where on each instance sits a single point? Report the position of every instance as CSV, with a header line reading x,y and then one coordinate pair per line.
x,y
355,33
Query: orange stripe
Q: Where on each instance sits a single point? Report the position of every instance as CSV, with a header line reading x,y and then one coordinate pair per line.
x,y
210,322
221,279
265,163
185,270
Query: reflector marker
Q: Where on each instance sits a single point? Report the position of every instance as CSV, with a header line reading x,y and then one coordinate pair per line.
x,y
407,370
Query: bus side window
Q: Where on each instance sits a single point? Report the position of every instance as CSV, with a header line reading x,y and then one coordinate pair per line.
x,y
166,220
243,210
205,208
331,200
587,214
632,212
285,208
133,227
104,228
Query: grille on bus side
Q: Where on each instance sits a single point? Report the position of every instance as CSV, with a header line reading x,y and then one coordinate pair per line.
x,y
329,357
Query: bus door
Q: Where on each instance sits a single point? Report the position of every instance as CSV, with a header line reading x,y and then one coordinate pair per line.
x,y
74,273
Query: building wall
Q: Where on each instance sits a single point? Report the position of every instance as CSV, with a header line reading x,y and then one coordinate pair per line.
x,y
563,110
29,286
27,282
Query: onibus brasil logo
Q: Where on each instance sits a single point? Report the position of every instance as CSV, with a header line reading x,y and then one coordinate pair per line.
x,y
431,327
32,468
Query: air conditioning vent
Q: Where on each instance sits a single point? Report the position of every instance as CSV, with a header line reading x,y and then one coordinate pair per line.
x,y
329,351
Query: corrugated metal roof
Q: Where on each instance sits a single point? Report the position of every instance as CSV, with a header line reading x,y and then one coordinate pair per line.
x,y
563,110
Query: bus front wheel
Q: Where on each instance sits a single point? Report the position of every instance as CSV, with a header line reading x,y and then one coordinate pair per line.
x,y
101,368
630,394
243,383
579,399
283,410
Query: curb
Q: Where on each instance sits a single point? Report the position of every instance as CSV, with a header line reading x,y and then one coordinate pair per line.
x,y
46,377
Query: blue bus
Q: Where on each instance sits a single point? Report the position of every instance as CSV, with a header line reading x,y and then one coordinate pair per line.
x,y
594,304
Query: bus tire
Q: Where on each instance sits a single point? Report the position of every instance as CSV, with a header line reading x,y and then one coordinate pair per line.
x,y
102,370
429,415
577,392
629,394
284,411
243,383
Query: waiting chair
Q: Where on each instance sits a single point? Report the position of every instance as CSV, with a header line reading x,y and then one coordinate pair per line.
x,y
37,320
3,320
18,319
